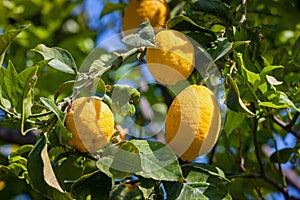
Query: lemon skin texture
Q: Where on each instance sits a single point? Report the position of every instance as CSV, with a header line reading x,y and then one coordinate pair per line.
x,y
193,122
138,11
172,60
91,123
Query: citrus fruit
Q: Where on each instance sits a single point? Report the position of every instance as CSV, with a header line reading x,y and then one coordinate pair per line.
x,y
91,123
138,11
193,122
172,60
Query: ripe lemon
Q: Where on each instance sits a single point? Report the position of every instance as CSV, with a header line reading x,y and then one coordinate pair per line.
x,y
172,60
91,123
193,122
138,11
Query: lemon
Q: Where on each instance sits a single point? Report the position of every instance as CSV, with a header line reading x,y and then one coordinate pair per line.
x,y
138,11
193,122
91,123
172,60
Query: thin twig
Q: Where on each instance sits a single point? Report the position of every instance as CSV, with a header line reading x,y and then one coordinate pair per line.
x,y
257,153
288,126
244,15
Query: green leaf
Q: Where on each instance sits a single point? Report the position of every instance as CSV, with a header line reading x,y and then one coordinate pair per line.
x,y
239,43
250,76
124,98
213,7
146,186
268,69
182,22
4,103
61,59
27,80
5,172
202,181
233,99
281,102
223,48
205,168
144,158
22,151
96,184
18,89
120,161
157,161
296,52
98,68
99,87
9,83
233,121
64,86
142,38
6,38
50,104
42,177
111,7
282,156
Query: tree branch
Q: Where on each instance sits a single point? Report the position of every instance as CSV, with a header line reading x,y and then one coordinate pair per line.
x,y
288,126
271,181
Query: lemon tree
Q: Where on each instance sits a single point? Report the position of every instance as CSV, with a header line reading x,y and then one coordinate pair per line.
x,y
194,100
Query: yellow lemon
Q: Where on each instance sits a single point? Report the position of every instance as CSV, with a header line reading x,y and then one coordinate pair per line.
x,y
91,123
172,60
138,11
193,122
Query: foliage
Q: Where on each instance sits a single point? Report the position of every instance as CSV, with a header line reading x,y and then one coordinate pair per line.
x,y
256,50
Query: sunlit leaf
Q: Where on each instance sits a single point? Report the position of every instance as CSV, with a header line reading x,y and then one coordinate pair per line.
x,y
6,38
50,104
120,161
143,37
158,161
273,81
61,59
250,76
269,69
27,80
281,102
201,182
99,87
